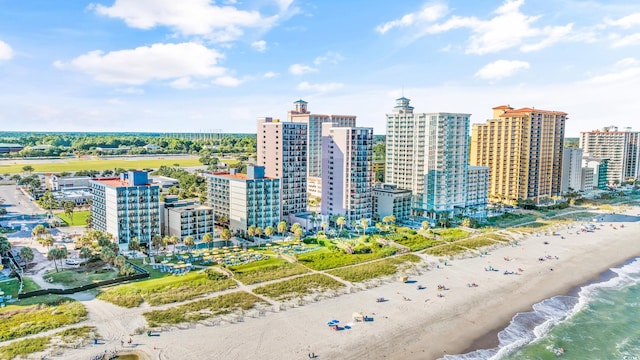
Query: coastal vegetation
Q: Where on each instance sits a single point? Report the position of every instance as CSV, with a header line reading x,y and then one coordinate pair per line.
x,y
375,269
166,290
298,287
261,271
203,309
50,313
66,338
76,218
332,256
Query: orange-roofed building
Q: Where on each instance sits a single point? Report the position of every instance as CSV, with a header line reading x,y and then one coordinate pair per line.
x,y
523,149
127,207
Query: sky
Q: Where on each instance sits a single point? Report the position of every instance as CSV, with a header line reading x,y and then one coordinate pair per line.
x,y
204,65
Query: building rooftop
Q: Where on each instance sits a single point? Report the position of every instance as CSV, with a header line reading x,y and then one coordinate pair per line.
x,y
238,176
117,182
527,110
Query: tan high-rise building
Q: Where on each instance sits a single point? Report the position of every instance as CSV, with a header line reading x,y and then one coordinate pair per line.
x,y
622,148
523,149
301,114
282,150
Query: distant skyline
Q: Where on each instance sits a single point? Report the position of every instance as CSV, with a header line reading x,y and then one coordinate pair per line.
x,y
192,65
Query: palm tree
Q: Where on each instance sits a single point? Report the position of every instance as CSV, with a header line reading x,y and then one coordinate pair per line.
x,y
258,232
295,227
251,231
85,253
364,224
156,241
107,255
225,234
324,225
69,206
298,232
189,242
269,231
173,240
26,254
46,241
39,230
425,225
354,225
48,201
282,227
314,219
119,261
341,221
53,256
207,239
5,245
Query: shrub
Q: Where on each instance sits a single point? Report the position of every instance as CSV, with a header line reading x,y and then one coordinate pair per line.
x,y
375,269
298,287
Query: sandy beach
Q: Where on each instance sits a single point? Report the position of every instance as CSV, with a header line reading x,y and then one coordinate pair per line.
x,y
412,323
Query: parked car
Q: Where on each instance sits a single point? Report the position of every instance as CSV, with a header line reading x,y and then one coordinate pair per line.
x,y
72,261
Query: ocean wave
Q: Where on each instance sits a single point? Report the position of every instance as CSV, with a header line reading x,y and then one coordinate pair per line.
x,y
527,327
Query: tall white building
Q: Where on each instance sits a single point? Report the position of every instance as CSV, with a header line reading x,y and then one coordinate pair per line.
x,y
301,114
571,170
477,191
127,207
347,173
427,153
282,150
622,148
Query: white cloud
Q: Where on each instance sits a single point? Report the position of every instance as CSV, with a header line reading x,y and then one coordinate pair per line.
x,y
429,13
6,52
300,69
115,101
228,81
628,40
270,74
626,62
625,22
501,69
319,87
330,57
184,82
259,45
131,90
146,63
628,74
190,17
508,28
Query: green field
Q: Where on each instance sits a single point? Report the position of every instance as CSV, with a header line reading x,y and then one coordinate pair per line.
x,y
79,218
73,165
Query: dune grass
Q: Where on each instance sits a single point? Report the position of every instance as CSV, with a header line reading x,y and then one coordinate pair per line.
x,y
450,235
164,290
32,345
298,287
476,242
445,250
324,259
19,321
203,309
363,272
270,269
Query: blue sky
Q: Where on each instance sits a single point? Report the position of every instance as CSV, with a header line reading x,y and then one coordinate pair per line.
x,y
192,65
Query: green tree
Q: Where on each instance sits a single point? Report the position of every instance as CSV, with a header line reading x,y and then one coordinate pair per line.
x,y
39,230
69,206
5,245
225,234
119,261
173,240
364,224
207,239
156,241
425,225
28,169
107,255
46,241
341,221
48,201
26,253
282,227
189,242
52,255
134,245
269,231
251,231
85,253
259,232
297,233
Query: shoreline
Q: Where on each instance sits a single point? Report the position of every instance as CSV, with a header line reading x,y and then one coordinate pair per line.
x,y
490,340
423,326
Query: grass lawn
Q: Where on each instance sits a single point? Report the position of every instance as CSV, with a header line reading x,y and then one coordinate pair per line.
x,y
73,278
270,269
298,287
203,309
416,242
231,163
164,290
20,320
11,287
79,217
374,269
73,165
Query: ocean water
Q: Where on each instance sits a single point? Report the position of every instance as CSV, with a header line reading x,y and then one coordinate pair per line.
x,y
602,321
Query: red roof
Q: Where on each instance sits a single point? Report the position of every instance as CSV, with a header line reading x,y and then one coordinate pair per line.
x,y
502,107
116,182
